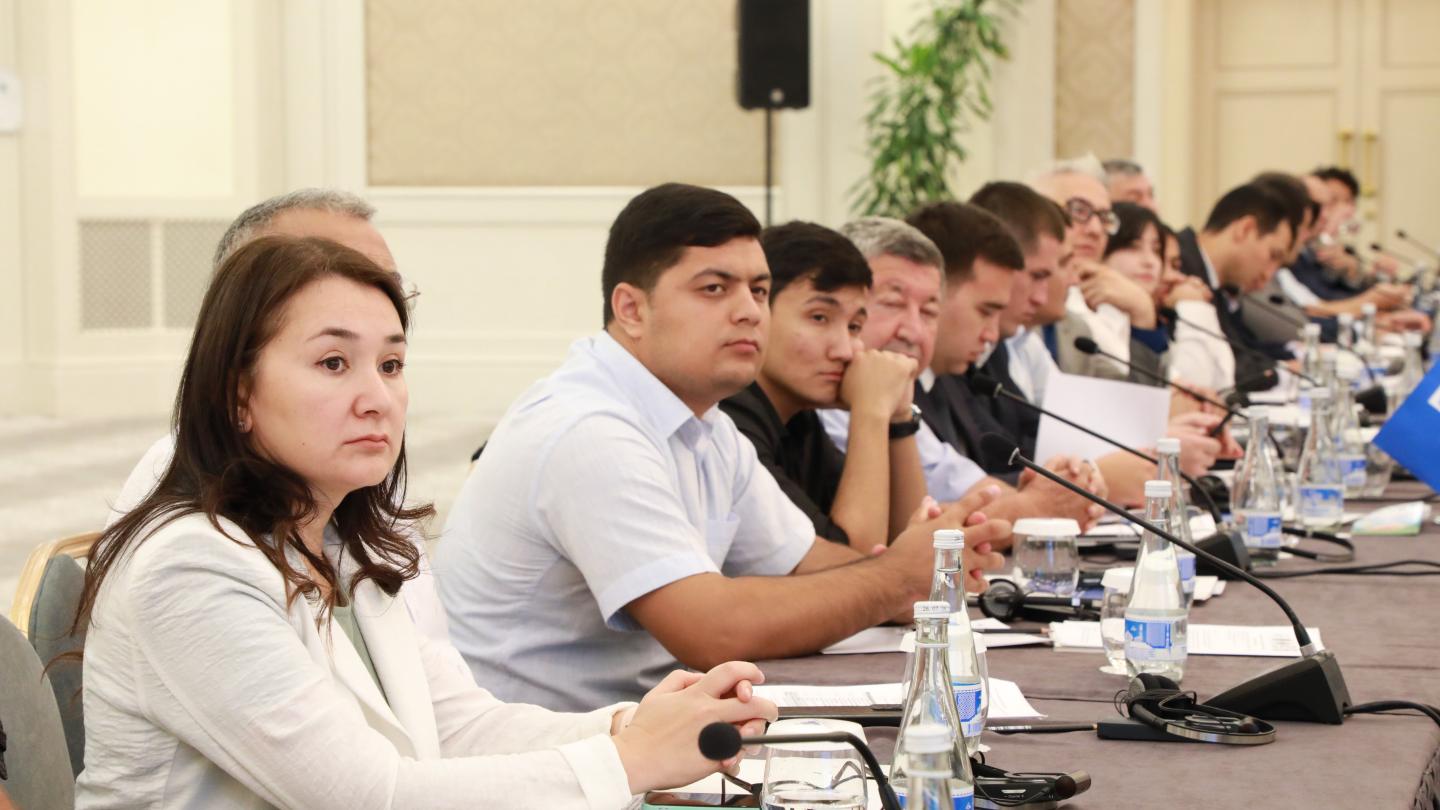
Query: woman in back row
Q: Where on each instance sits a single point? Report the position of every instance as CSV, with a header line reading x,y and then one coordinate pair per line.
x,y
245,645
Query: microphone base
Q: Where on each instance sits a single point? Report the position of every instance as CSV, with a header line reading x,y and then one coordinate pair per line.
x,y
1311,690
1229,546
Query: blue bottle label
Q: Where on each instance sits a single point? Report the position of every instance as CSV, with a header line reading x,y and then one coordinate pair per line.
x,y
1151,640
962,798
1262,530
1321,500
967,703
1352,471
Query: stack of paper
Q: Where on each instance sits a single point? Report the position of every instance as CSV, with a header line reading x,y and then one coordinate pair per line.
x,y
899,639
1007,702
1203,639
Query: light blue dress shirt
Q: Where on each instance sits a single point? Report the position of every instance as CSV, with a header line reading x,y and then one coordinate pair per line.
x,y
949,474
597,487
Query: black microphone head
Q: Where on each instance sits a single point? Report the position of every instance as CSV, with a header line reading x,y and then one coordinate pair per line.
x,y
1277,299
1086,345
1373,399
982,384
1400,232
1231,290
1237,399
995,446
719,741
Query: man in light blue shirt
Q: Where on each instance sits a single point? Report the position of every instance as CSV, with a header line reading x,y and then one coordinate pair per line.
x,y
617,521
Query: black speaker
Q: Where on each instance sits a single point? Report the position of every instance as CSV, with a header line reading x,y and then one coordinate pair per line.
x,y
774,54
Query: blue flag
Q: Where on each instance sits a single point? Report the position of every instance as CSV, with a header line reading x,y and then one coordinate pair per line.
x,y
1412,435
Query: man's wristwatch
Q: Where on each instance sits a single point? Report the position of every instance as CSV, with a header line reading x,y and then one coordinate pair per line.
x,y
902,430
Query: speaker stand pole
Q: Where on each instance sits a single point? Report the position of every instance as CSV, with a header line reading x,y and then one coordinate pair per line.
x,y
769,164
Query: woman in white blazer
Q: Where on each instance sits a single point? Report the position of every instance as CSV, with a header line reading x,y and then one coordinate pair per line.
x,y
238,658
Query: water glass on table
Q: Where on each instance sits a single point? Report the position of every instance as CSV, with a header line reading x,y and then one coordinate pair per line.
x,y
812,776
1047,554
1116,583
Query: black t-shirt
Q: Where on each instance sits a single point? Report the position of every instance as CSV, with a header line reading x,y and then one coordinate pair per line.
x,y
804,461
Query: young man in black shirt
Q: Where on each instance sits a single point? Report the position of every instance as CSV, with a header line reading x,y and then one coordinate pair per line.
x,y
864,497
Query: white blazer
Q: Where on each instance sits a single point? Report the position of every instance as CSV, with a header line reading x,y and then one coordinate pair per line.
x,y
203,689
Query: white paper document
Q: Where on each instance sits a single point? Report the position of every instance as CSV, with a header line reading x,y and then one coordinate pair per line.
x,y
1276,641
1007,702
803,696
1208,586
992,640
1131,414
893,639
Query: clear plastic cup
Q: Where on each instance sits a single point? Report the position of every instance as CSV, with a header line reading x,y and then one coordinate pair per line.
x,y
1047,555
819,774
1116,583
1378,468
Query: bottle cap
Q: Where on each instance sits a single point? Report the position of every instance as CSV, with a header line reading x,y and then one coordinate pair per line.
x,y
1413,339
1046,527
1167,444
932,610
1344,318
1158,489
949,539
927,738
1118,579
1312,330
1367,309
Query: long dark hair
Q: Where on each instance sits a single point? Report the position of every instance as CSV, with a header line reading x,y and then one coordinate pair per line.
x,y
1134,220
216,470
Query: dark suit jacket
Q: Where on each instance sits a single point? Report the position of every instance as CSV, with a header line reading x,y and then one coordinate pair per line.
x,y
1258,356
960,419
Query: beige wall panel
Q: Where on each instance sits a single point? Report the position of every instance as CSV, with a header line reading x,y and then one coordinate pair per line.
x,y
1409,33
1258,131
1278,33
1405,166
556,93
1095,78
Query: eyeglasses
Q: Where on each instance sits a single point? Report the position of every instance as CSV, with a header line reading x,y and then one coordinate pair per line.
x,y
1081,211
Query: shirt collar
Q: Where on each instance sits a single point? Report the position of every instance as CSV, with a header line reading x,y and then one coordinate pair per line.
x,y
927,378
1210,274
653,399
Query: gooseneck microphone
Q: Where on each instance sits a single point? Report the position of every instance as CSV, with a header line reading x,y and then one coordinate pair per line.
x,y
984,385
1087,345
721,741
1311,689
1240,347
1400,232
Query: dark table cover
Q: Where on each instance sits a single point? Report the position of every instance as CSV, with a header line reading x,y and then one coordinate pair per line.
x,y
1384,630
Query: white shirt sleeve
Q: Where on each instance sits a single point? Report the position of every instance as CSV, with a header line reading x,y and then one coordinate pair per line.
x,y
1299,295
1108,326
227,673
1196,357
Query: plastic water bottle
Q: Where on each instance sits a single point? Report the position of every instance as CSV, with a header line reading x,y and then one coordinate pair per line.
x,y
1168,454
1368,342
1310,354
1345,333
1256,496
1156,620
929,700
1349,444
930,786
1414,369
965,681
1322,489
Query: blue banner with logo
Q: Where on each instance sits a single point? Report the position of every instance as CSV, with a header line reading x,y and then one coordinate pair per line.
x,y
1412,435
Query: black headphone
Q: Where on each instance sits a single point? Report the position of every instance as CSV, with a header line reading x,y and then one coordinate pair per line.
x,y
1158,702
1004,601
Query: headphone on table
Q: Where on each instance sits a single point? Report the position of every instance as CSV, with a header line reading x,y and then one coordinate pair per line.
x,y
1158,702
1006,602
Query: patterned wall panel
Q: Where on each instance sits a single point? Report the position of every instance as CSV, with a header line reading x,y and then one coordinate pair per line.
x,y
556,92
1095,77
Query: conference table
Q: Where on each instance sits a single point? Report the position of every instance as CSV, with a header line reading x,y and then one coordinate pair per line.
x,y
1384,630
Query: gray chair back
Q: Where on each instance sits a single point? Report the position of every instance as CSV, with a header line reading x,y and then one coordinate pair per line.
x,y
35,755
51,615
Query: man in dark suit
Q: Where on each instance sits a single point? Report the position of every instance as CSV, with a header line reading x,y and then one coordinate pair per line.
x,y
1246,238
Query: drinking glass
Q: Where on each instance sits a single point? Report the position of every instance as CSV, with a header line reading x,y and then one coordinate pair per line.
x,y
1116,583
1046,553
813,776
